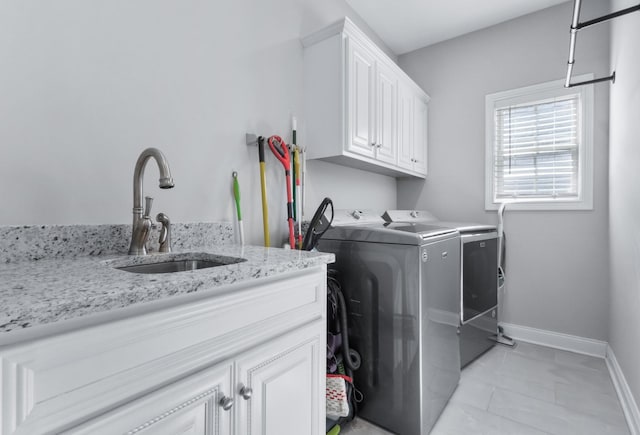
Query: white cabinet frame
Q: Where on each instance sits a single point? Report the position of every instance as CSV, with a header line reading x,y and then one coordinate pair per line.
x,y
54,384
353,105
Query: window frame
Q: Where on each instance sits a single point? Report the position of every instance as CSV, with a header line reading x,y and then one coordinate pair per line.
x,y
533,94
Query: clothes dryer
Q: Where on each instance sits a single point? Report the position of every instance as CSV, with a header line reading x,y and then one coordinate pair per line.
x,y
478,280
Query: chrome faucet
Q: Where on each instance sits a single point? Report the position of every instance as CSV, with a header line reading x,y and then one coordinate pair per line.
x,y
142,222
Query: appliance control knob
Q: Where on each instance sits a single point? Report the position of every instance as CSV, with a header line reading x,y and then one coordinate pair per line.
x,y
356,214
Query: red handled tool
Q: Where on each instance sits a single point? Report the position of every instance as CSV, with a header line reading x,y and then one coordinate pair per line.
x,y
280,150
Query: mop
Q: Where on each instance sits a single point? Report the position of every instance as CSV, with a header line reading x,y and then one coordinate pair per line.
x,y
236,195
297,188
500,338
281,151
252,139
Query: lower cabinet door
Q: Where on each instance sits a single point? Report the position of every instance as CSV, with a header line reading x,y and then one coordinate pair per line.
x,y
281,386
197,405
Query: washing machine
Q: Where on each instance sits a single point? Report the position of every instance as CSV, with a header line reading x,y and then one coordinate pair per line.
x,y
478,280
400,284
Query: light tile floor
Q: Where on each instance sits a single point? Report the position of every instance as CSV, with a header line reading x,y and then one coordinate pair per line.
x,y
529,389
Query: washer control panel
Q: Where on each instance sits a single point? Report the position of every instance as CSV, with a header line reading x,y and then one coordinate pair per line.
x,y
408,216
356,217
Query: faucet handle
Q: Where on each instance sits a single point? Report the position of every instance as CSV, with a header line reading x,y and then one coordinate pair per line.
x,y
148,202
165,232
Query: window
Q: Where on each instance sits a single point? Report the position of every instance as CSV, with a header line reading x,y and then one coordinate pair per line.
x,y
539,147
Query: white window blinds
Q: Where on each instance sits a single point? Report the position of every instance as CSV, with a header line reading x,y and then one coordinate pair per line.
x,y
536,149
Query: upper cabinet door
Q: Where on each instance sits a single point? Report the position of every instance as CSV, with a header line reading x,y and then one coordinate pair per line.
x,y
360,100
420,136
405,127
386,114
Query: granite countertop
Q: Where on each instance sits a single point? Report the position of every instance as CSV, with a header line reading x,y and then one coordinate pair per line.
x,y
37,294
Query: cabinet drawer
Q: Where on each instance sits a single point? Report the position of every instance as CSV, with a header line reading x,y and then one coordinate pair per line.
x,y
279,381
48,384
189,406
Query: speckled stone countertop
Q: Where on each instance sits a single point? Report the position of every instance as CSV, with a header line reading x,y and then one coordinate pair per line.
x,y
59,287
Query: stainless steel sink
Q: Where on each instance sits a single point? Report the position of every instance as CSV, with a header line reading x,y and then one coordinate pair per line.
x,y
179,265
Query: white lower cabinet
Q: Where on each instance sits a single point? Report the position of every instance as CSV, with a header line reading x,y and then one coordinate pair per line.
x,y
249,360
193,406
279,390
273,389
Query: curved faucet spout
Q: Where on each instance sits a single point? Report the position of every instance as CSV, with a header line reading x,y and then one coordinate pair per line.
x,y
142,223
166,181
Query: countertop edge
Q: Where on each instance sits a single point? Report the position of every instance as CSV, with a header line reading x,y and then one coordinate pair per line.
x,y
45,330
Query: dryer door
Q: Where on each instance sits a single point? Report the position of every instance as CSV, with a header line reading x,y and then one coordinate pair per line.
x,y
479,283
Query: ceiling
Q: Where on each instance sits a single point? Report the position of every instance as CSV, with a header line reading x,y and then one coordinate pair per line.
x,y
406,25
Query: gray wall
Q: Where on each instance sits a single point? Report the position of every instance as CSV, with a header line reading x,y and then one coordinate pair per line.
x,y
85,86
557,267
624,196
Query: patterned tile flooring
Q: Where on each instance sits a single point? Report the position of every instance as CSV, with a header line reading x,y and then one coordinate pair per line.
x,y
529,389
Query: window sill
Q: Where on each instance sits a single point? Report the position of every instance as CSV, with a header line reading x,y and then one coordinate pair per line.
x,y
543,205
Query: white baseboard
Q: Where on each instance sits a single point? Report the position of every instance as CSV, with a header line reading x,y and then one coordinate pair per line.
x,y
629,405
557,340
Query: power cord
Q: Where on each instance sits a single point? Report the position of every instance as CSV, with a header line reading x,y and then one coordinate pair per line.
x,y
314,232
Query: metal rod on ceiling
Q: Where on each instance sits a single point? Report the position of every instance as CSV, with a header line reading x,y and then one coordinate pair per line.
x,y
573,30
576,14
576,25
611,78
609,16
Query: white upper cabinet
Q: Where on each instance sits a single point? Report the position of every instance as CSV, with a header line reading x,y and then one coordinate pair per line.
x,y
420,134
360,107
412,133
361,99
405,127
386,143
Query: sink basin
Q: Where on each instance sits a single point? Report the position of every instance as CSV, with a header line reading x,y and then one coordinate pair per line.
x,y
179,265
